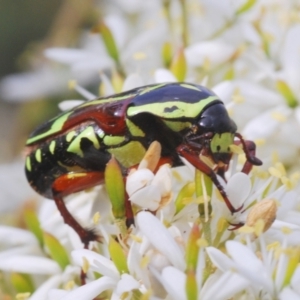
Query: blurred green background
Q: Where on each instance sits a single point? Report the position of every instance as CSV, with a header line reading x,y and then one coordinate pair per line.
x,y
27,27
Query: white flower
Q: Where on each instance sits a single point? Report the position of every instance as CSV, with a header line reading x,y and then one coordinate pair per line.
x,y
160,238
111,279
257,273
148,190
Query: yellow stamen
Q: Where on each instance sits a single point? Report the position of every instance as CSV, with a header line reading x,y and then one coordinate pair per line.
x,y
276,115
139,55
202,243
85,264
96,218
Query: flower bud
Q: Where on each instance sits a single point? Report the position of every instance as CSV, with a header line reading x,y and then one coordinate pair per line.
x,y
262,215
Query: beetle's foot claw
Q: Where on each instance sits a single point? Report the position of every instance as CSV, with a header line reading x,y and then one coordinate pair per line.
x,y
255,161
235,226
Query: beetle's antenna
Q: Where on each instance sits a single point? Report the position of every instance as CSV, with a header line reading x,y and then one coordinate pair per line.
x,y
249,148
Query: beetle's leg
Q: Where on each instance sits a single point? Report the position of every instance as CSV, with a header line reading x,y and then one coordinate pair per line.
x,y
128,209
193,158
221,173
236,226
71,183
249,148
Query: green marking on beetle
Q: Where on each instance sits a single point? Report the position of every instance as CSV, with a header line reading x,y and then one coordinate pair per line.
x,y
134,129
70,135
177,125
221,142
151,88
106,100
38,155
57,125
189,86
28,163
172,109
88,133
130,154
112,140
52,147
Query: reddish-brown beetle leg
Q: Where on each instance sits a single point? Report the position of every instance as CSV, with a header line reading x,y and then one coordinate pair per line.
x,y
193,158
236,226
128,210
249,148
71,183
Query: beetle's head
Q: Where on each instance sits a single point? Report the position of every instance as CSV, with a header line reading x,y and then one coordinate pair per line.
x,y
220,147
215,120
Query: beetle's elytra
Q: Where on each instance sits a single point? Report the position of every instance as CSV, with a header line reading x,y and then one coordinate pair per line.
x,y
69,153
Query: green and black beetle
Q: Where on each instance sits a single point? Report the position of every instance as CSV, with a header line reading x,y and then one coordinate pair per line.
x,y
69,153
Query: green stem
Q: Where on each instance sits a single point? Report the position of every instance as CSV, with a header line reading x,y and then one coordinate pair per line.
x,y
185,36
206,229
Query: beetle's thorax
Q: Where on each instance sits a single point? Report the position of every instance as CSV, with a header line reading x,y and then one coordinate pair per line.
x,y
215,119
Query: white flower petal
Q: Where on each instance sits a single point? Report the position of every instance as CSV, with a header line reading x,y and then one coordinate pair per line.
x,y
30,264
132,81
248,265
238,188
224,90
97,262
148,197
225,287
11,236
243,256
12,174
47,287
257,94
290,58
106,84
134,259
219,259
214,51
92,289
67,56
163,75
297,114
21,250
32,85
92,67
160,238
295,282
55,294
138,180
126,284
157,260
264,125
163,180
69,104
174,281
288,294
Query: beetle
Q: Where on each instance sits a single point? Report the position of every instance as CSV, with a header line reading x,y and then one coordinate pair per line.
x,y
69,153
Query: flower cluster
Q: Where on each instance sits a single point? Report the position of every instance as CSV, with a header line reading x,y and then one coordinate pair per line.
x,y
171,252
185,243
